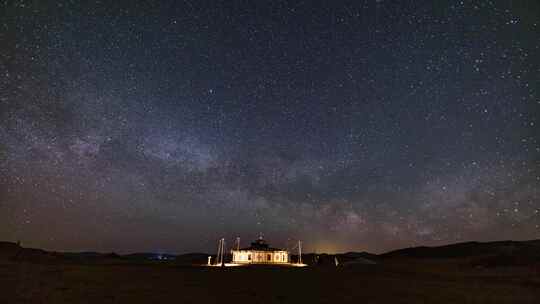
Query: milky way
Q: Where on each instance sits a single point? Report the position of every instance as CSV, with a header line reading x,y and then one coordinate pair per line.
x,y
370,125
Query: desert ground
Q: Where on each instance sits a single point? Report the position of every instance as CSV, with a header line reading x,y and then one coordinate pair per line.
x,y
401,279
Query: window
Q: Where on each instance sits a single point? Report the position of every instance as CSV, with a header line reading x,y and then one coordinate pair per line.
x,y
269,257
249,257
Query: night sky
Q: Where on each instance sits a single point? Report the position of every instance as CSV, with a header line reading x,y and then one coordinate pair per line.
x,y
366,125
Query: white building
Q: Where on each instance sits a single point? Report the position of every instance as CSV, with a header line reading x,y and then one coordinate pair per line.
x,y
260,253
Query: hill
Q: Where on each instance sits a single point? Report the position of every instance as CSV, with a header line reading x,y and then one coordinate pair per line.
x,y
469,249
499,253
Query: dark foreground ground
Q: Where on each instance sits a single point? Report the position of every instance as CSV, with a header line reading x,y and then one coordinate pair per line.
x,y
394,281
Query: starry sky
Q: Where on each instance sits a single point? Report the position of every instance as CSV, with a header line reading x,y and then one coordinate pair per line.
x,y
358,125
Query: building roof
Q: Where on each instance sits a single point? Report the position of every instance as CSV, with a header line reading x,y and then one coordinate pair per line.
x,y
261,245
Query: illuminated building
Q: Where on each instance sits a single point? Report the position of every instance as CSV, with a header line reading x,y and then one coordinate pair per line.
x,y
260,253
